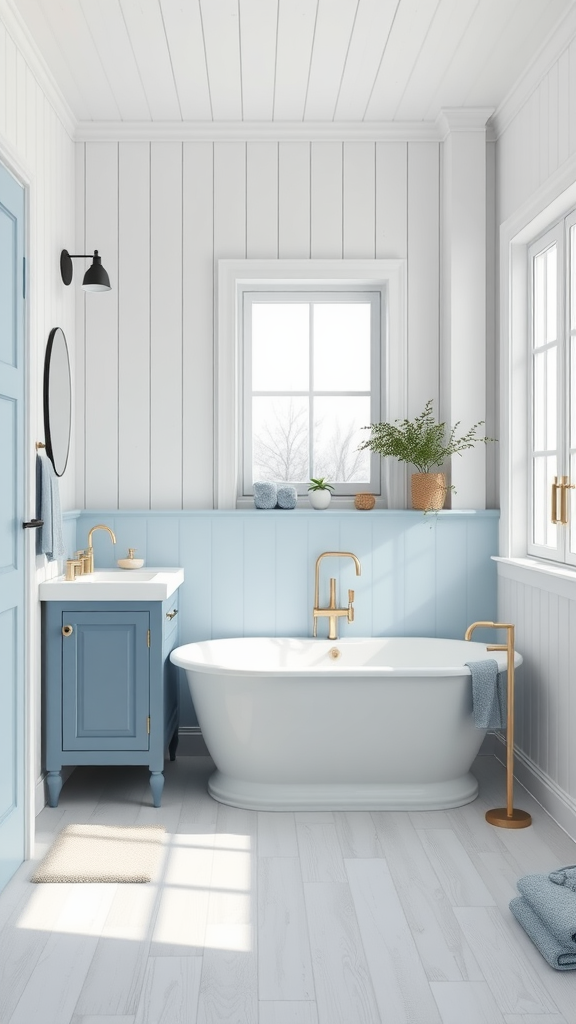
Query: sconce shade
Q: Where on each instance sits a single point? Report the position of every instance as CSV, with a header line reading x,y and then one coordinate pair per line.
x,y
95,279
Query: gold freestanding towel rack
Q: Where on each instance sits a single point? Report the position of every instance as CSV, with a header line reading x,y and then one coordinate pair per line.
x,y
505,817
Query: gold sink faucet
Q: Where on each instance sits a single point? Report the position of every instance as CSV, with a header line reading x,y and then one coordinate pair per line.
x,y
90,549
332,612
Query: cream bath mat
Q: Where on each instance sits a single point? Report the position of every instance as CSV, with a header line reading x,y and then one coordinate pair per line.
x,y
102,853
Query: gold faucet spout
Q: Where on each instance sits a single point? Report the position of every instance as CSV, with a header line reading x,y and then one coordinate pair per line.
x,y
90,549
332,612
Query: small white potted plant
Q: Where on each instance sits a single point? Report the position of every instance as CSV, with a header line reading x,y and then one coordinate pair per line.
x,y
319,492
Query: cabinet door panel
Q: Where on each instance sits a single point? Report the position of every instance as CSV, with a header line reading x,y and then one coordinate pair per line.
x,y
106,681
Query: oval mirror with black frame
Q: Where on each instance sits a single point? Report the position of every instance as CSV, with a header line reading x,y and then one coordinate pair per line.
x,y
57,400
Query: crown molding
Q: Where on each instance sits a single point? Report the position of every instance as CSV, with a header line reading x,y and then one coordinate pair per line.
x,y
554,44
20,34
463,119
256,131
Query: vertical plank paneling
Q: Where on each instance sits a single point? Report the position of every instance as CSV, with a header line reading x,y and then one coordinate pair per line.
x,y
423,275
3,82
565,698
391,199
259,581
101,365
572,92
451,550
554,642
359,200
134,325
80,328
326,200
294,200
229,200
21,103
572,707
553,118
564,106
419,572
198,325
228,577
544,149
166,325
388,580
262,200
11,97
293,573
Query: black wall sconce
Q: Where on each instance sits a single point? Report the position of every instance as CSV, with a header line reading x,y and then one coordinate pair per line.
x,y
95,279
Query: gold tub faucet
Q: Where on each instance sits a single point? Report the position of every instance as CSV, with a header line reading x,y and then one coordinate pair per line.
x,y
332,612
90,549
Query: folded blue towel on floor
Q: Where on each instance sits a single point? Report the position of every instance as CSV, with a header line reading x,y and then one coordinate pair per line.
x,y
555,905
565,876
489,694
560,957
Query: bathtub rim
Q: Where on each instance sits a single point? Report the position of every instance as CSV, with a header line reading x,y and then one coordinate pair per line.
x,y
189,663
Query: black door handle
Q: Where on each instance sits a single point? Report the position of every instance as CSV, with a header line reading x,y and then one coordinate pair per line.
x,y
34,524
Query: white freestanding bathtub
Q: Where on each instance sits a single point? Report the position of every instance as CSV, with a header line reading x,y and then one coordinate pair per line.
x,y
298,724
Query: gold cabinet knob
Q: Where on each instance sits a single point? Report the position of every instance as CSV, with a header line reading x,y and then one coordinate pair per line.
x,y
67,630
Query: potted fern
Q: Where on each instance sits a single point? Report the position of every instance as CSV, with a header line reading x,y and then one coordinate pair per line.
x,y
319,492
424,444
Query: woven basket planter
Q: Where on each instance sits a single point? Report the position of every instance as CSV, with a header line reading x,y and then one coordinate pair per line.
x,y
428,491
364,501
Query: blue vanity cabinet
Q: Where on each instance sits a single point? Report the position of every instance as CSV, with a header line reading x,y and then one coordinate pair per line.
x,y
111,692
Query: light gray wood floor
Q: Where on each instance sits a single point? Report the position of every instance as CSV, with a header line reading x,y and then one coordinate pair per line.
x,y
305,918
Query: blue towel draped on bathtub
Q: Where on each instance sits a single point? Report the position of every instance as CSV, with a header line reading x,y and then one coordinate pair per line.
x,y
547,913
489,694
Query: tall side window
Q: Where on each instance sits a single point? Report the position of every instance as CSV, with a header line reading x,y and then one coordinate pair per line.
x,y
311,382
552,400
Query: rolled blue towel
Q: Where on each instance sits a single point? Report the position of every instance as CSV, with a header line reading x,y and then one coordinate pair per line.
x,y
265,494
489,694
565,876
287,496
560,957
554,905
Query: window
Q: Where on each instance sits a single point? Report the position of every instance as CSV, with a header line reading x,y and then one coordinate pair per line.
x,y
308,352
311,382
552,426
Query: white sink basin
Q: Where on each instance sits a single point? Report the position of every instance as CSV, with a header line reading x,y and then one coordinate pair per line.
x,y
115,585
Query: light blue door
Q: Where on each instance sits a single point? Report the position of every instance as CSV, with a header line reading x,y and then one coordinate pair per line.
x,y
11,532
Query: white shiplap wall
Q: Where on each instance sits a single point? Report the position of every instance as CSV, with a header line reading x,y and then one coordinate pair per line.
x,y
540,137
532,150
161,214
35,139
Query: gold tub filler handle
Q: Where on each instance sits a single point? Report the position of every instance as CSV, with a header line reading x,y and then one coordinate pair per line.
x,y
509,816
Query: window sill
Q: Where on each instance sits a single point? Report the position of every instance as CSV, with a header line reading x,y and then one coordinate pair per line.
x,y
558,579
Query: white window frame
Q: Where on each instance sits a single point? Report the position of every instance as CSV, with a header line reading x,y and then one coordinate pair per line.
x,y
237,276
558,235
312,295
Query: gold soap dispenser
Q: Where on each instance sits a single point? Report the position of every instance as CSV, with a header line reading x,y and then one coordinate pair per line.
x,y
130,562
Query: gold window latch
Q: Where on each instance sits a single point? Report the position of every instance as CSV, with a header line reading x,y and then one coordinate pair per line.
x,y
560,485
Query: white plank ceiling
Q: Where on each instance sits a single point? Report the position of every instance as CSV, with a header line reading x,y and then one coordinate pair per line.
x,y
286,60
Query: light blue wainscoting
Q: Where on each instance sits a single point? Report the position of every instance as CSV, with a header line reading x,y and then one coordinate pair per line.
x,y
251,573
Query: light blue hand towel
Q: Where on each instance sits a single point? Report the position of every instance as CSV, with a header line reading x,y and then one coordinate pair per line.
x,y
560,957
565,876
52,541
489,694
286,496
265,494
555,905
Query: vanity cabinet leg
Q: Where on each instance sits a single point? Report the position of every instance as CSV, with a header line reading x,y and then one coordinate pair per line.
x,y
173,745
54,783
156,785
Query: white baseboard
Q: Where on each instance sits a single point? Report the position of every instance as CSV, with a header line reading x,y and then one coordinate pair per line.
x,y
558,804
41,790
